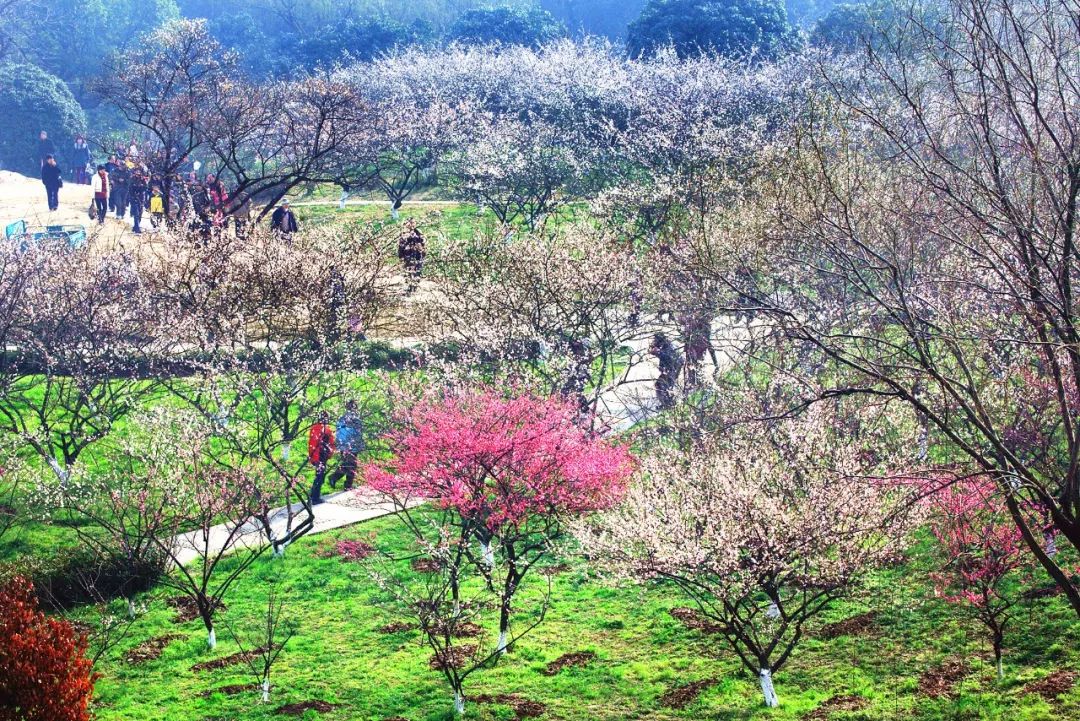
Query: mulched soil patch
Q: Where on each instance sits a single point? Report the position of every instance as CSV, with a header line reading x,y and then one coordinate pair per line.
x,y
455,657
186,610
836,703
226,661
1042,592
425,565
694,620
82,628
150,650
554,570
682,696
1054,685
298,709
577,658
523,707
397,627
231,690
860,625
466,630
353,550
939,682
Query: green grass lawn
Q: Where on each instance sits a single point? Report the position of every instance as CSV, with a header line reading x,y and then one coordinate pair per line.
x,y
340,656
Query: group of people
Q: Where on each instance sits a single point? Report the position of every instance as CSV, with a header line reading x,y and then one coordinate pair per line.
x,y
121,187
345,439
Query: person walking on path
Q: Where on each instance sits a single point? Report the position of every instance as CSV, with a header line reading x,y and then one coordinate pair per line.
x,y
670,365
320,449
283,221
349,437
112,166
100,186
46,147
219,199
157,208
411,251
136,196
80,161
51,177
120,179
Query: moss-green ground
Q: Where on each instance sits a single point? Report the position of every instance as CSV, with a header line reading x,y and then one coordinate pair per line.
x,y
339,656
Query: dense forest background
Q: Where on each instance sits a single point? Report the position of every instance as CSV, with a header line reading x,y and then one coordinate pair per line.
x,y
51,54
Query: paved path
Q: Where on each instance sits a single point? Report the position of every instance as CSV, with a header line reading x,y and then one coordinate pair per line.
x,y
336,511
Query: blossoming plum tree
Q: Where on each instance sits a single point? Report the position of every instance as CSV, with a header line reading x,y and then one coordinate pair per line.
x,y
509,471
762,530
983,551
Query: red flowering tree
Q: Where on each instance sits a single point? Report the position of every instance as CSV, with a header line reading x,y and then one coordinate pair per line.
x,y
504,474
985,551
44,672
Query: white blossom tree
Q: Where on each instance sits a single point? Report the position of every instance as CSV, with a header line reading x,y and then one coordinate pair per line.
x,y
762,529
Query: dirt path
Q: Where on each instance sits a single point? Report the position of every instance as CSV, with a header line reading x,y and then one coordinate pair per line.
x,y
23,198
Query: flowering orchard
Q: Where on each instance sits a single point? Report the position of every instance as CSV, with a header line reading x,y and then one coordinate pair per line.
x,y
681,331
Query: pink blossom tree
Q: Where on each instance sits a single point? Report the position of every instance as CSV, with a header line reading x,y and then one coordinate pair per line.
x,y
984,552
508,471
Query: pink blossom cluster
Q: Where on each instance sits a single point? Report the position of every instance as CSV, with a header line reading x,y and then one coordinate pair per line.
x,y
981,543
498,460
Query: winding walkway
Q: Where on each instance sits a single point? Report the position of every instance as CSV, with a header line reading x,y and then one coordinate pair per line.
x,y
621,407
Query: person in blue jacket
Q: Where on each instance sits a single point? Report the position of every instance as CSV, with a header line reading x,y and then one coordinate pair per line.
x,y
349,439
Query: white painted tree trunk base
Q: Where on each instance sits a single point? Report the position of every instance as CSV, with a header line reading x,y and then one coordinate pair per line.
x,y
765,676
488,554
501,648
459,704
266,690
211,639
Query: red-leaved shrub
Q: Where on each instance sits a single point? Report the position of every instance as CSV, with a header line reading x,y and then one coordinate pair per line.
x,y
44,672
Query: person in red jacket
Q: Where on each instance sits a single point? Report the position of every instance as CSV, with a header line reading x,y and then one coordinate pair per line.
x,y
320,449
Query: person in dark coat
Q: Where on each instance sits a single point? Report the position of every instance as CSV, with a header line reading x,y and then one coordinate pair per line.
x,y
80,161
411,251
46,148
120,179
136,197
51,177
283,221
112,165
670,365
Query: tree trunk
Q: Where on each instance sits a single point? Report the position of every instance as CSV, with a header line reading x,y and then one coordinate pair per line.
x,y
459,703
211,638
60,471
266,690
488,554
131,609
502,641
765,676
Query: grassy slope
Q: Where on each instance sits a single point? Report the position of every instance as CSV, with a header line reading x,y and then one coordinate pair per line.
x,y
339,656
